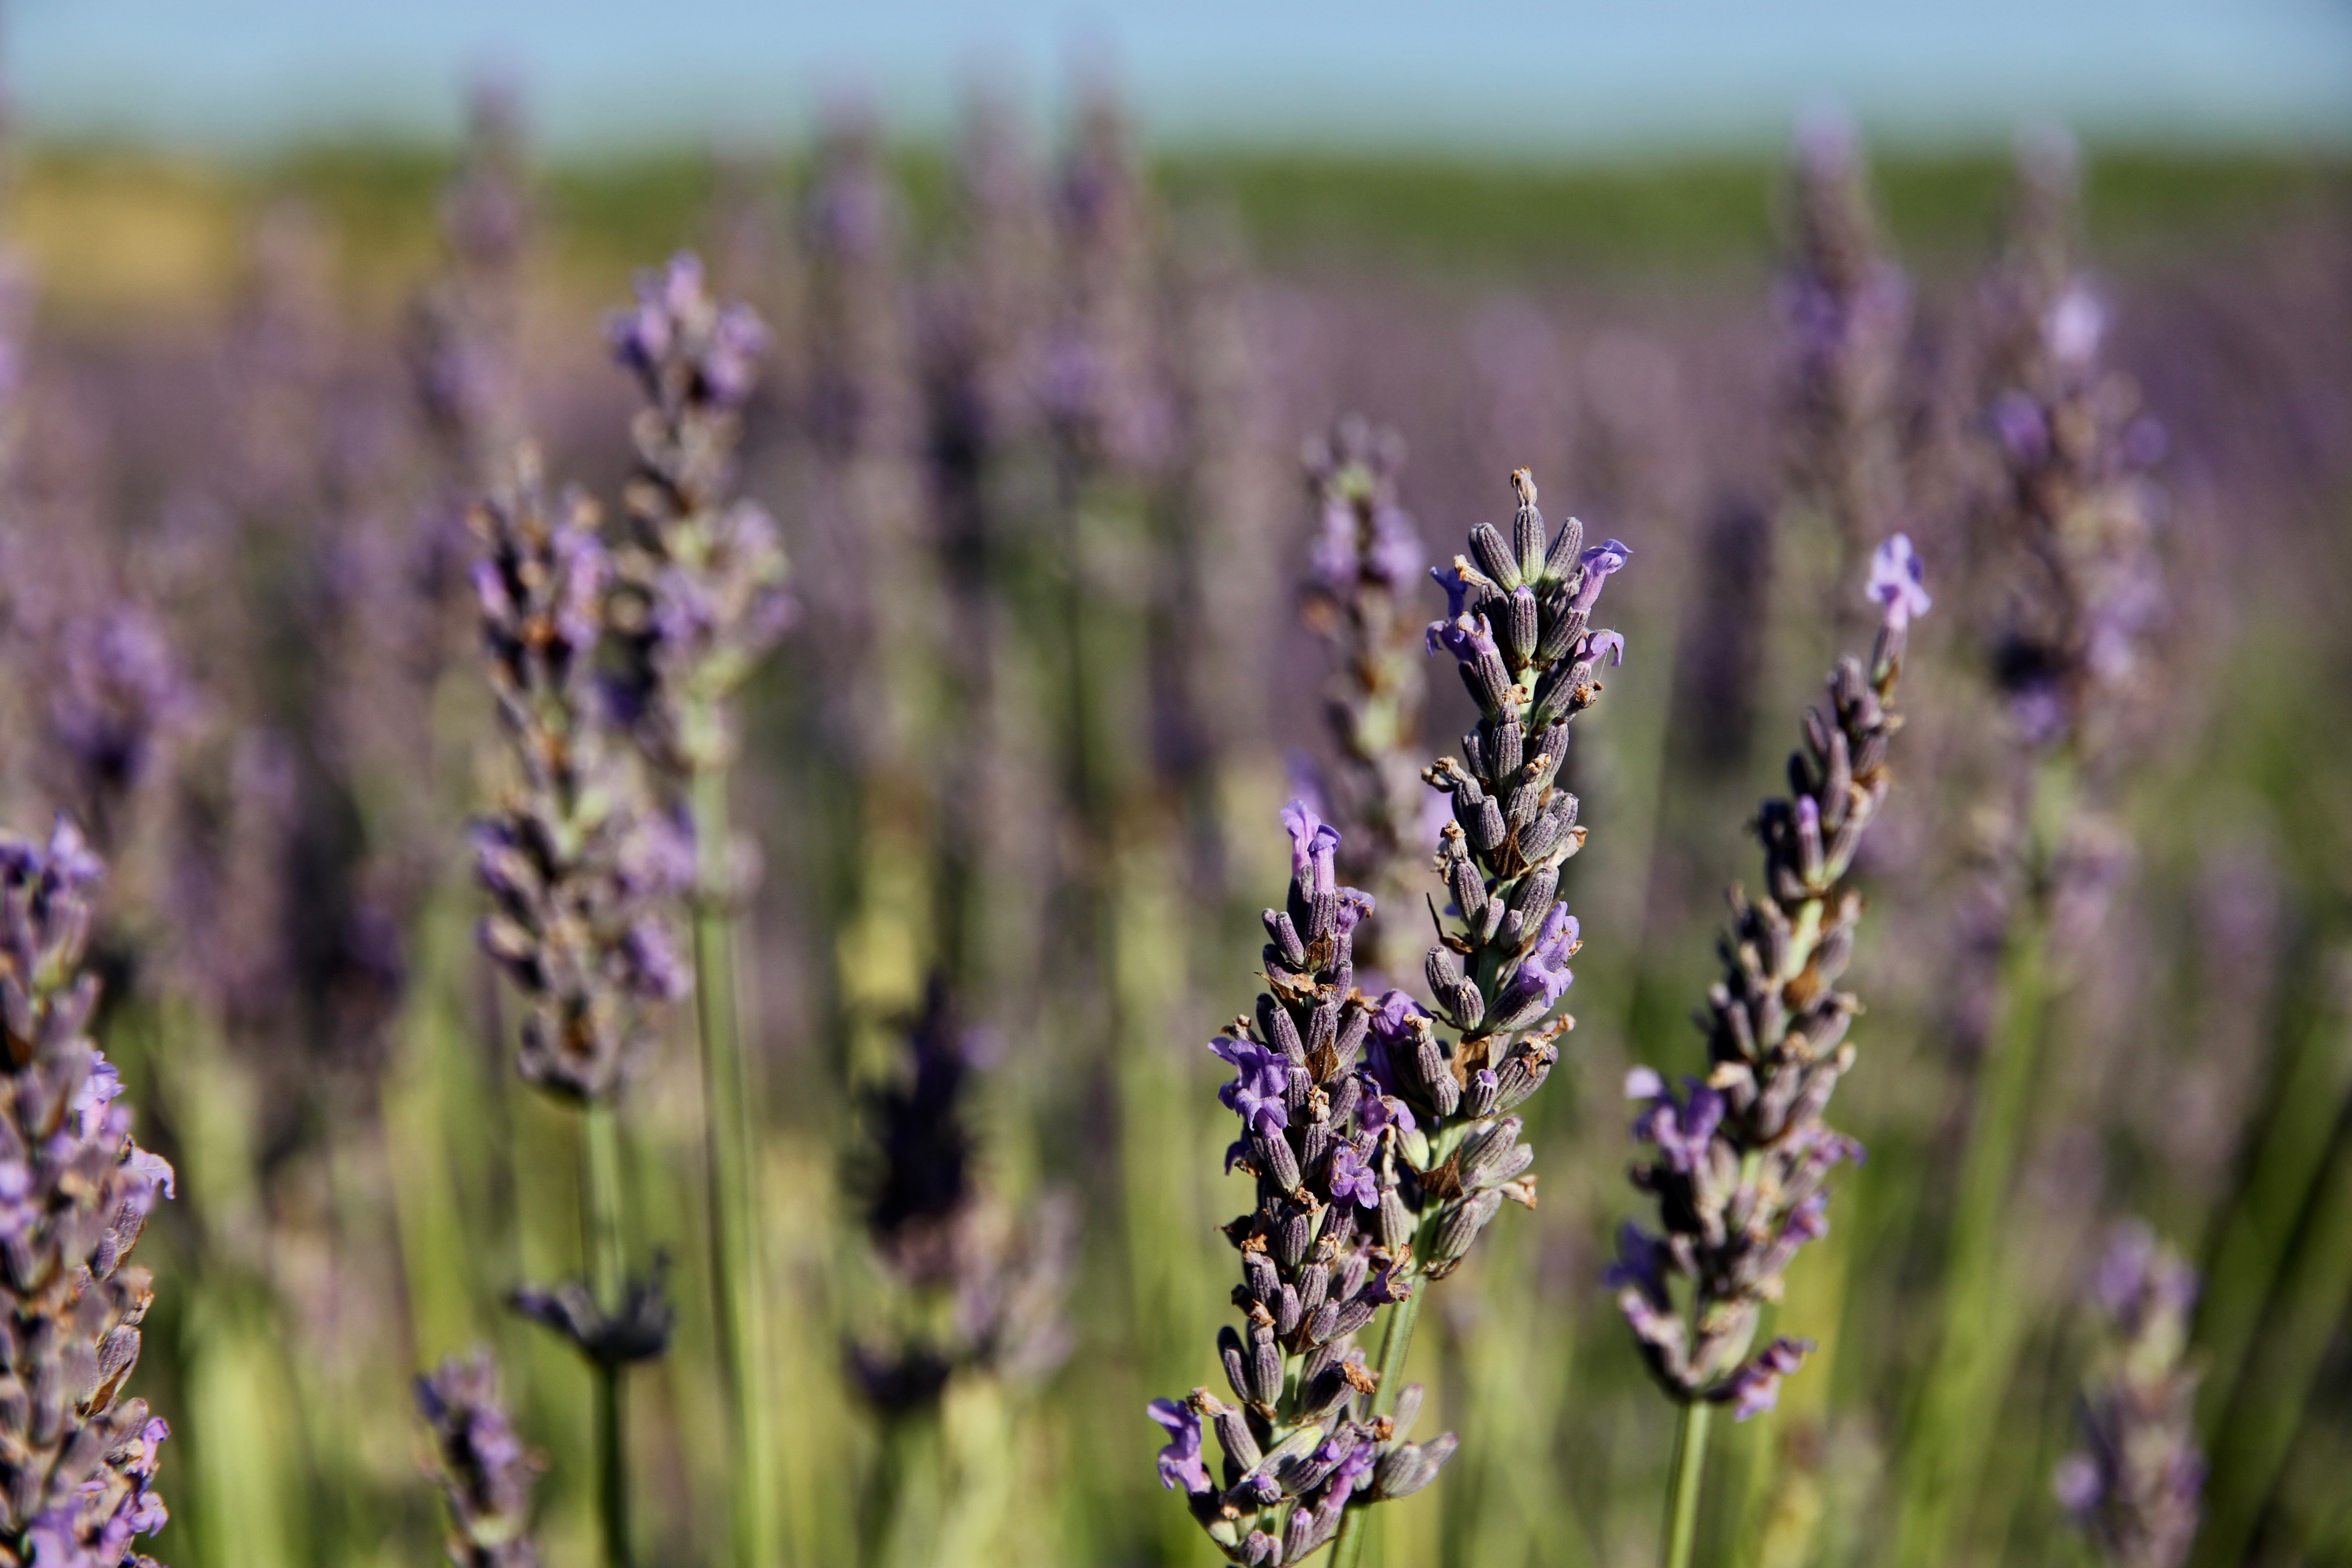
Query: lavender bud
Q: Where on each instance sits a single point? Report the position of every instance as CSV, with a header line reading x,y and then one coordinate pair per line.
x,y
1257,1273
1510,742
1486,826
1486,1152
1396,1220
1287,1313
1314,1280
1560,564
1324,1325
1485,1090
1461,1227
1265,1367
1444,1094
1285,937
1229,1351
1274,1022
1495,557
1520,627
1293,1237
1526,526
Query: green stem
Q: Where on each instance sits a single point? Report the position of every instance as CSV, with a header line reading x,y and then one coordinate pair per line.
x,y
735,1236
1683,1487
1983,1320
609,1281
1349,1549
2254,1442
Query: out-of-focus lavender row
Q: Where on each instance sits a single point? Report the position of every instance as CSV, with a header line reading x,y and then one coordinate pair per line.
x,y
1065,624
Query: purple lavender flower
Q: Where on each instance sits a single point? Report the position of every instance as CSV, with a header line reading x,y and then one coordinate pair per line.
x,y
1180,1461
698,578
1352,1180
1543,976
486,1473
1897,581
932,1226
1755,1388
1379,1150
2070,528
118,698
1741,1156
580,869
2135,1485
1255,1096
1601,562
77,1474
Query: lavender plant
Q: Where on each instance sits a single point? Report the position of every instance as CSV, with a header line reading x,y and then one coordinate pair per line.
x,y
977,1292
582,875
2134,1485
1379,1150
2065,556
77,1454
1366,553
484,1472
698,600
1743,1153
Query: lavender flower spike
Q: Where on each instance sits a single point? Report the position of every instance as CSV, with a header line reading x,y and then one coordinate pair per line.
x,y
484,1472
699,577
582,877
2134,1485
1357,597
580,873
1379,1151
77,1456
1740,1160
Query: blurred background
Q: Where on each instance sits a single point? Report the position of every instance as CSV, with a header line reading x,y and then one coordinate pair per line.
x,y
1058,297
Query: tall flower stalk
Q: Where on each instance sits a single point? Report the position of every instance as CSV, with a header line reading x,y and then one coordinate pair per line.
x,y
581,876
77,1454
1742,1154
2066,555
699,601
1379,1150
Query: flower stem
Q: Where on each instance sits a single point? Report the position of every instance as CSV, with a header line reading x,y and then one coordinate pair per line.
x,y
735,1237
1349,1549
1682,1493
608,1279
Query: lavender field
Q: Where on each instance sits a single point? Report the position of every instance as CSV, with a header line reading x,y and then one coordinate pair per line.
x,y
683,834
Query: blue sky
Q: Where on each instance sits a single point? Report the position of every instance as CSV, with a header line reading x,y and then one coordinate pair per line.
x,y
1598,77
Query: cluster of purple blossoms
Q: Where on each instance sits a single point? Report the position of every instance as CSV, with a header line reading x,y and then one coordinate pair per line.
x,y
2073,518
1742,1154
699,590
118,698
582,876
1366,558
1329,1243
928,1218
77,1456
2135,1483
1379,1150
486,1473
